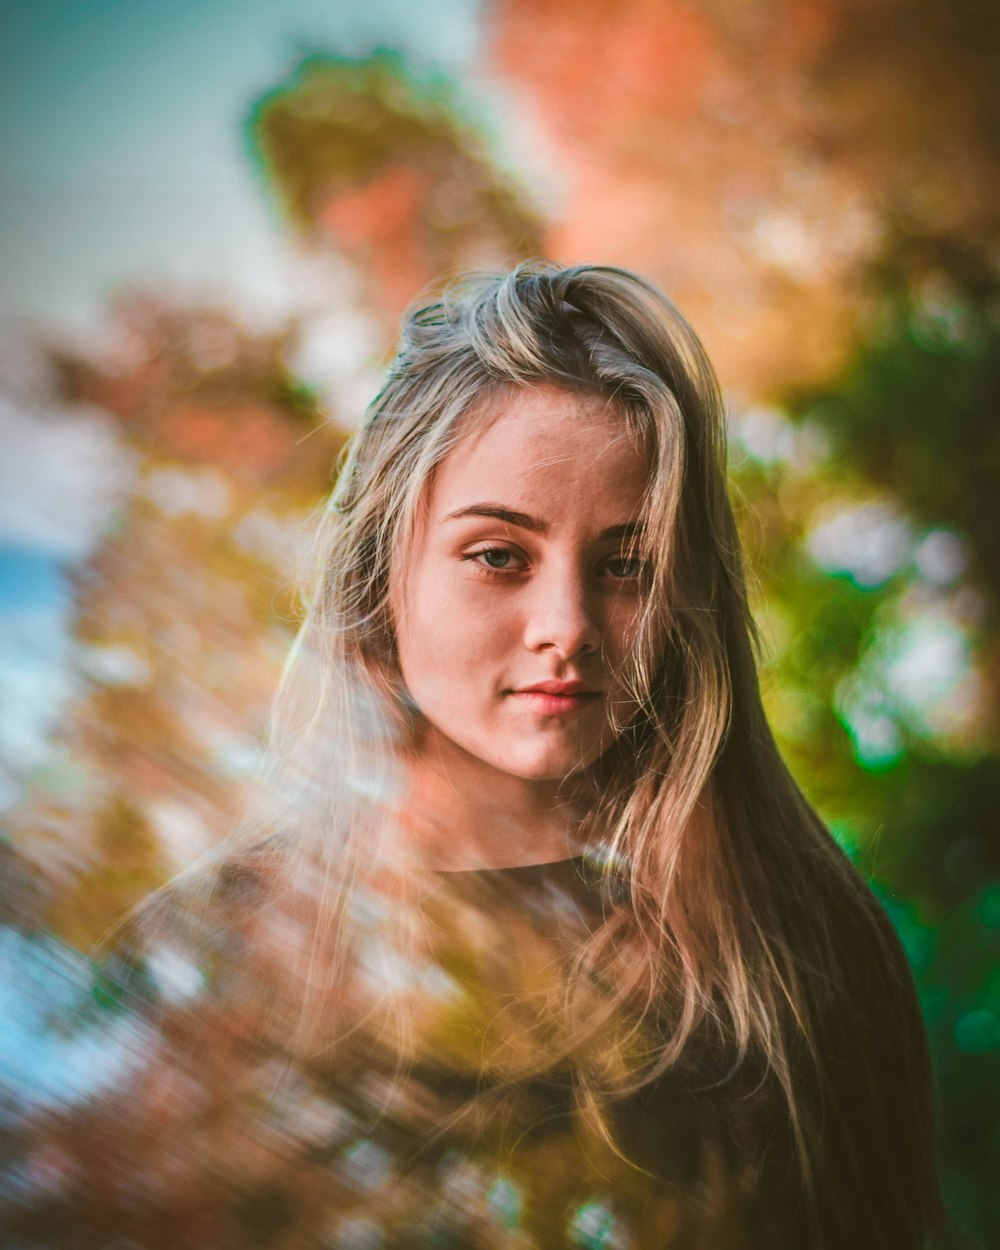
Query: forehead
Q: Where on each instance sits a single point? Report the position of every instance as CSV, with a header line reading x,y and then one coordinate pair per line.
x,y
540,445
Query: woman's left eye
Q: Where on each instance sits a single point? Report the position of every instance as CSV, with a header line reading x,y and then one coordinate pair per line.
x,y
625,567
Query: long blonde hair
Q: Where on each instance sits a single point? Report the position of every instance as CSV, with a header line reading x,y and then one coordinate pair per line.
x,y
743,930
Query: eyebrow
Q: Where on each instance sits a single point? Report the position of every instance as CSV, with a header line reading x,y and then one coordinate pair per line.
x,y
525,521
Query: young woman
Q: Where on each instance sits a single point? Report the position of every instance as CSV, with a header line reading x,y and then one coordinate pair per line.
x,y
535,941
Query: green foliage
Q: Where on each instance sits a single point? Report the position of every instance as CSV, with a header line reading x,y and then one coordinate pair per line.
x,y
907,437
915,413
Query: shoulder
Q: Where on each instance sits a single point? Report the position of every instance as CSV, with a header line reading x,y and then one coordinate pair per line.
x,y
189,938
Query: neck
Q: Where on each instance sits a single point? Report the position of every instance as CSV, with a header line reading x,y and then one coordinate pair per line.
x,y
460,814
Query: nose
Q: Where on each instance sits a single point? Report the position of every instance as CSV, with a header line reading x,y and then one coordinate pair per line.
x,y
560,615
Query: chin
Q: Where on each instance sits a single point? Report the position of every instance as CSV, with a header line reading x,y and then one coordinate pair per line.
x,y
546,768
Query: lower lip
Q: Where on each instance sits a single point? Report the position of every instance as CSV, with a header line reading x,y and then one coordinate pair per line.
x,y
554,704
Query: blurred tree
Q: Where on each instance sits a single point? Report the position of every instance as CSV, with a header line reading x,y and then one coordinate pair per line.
x,y
913,423
381,164
185,610
752,157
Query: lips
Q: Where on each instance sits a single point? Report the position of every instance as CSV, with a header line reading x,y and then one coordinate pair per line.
x,y
556,698
570,688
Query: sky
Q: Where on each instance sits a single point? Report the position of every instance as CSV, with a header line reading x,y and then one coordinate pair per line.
x,y
124,161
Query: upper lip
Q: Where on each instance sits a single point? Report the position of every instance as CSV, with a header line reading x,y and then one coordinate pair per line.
x,y
557,687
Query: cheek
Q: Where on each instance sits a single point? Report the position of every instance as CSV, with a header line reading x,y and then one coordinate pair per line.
x,y
621,631
451,642
627,672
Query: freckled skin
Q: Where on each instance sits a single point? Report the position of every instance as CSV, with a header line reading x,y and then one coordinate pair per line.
x,y
485,607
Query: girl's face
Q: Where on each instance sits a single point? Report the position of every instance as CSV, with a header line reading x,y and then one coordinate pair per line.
x,y
519,601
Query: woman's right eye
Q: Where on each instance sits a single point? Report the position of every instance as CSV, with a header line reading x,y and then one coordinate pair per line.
x,y
493,559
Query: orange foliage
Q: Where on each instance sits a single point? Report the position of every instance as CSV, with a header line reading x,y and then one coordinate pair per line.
x,y
376,223
686,133
249,440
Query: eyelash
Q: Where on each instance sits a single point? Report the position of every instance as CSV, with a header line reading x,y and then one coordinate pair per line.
x,y
507,572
